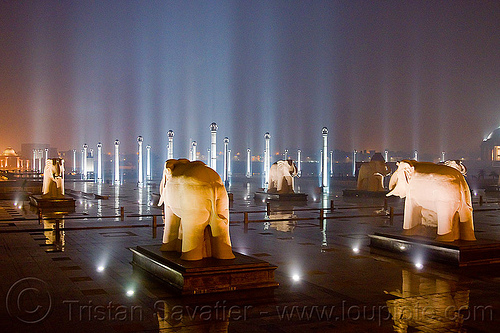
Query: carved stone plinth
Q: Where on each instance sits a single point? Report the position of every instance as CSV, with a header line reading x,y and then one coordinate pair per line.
x,y
265,196
458,253
205,276
66,204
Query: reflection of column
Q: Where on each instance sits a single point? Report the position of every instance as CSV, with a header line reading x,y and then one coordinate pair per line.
x,y
324,131
213,146
442,156
84,160
148,162
99,163
249,163
170,147
415,155
386,156
140,178
74,160
354,162
193,151
267,158
117,162
299,162
226,158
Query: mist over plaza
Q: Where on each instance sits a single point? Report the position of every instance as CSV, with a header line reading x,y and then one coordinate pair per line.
x,y
390,75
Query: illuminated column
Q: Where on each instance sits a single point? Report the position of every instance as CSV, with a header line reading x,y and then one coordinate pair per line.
x,y
321,166
148,162
46,155
299,162
386,155
249,163
193,150
226,158
415,155
40,158
331,163
34,159
267,159
170,147
74,160
442,156
208,157
117,162
354,162
229,170
140,178
84,160
99,163
324,131
285,155
213,146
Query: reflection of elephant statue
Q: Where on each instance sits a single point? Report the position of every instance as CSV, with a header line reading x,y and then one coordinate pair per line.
x,y
53,178
371,175
281,177
196,208
436,195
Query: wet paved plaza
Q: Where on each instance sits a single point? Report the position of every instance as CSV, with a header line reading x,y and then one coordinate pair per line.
x,y
80,278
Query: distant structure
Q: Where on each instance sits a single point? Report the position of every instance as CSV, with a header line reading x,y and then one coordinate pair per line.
x,y
11,161
490,148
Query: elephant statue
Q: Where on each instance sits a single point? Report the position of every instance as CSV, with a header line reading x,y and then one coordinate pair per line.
x,y
281,176
371,175
457,164
53,178
437,195
196,207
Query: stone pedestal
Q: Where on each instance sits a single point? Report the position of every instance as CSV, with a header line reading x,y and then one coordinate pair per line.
x,y
66,204
457,253
205,276
265,196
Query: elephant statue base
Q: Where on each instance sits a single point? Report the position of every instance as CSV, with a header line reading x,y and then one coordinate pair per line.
x,y
437,197
196,211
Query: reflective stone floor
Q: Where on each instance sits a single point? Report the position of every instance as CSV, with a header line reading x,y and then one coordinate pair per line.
x,y
80,279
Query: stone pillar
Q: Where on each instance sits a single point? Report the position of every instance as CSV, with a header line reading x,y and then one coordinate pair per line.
x,y
354,162
249,163
193,151
84,161
148,162
170,147
140,177
299,162
99,163
267,158
117,162
213,146
226,159
325,182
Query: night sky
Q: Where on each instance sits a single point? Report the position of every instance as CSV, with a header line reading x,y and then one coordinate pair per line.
x,y
397,75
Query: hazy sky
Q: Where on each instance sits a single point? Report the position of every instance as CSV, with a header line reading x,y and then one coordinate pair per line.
x,y
398,75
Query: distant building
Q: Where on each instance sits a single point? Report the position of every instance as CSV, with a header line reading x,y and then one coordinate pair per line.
x,y
490,148
11,161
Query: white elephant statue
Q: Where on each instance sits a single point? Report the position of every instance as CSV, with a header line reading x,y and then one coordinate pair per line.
x,y
281,176
53,178
371,175
457,164
196,207
436,196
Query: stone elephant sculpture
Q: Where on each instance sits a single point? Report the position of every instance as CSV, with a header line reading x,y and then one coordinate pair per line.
x,y
281,176
436,196
371,175
53,178
196,207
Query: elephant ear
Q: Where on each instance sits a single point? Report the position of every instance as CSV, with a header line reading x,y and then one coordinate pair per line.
x,y
408,171
167,174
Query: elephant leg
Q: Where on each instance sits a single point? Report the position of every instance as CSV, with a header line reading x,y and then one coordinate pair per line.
x,y
412,215
171,241
221,246
193,238
448,219
466,230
